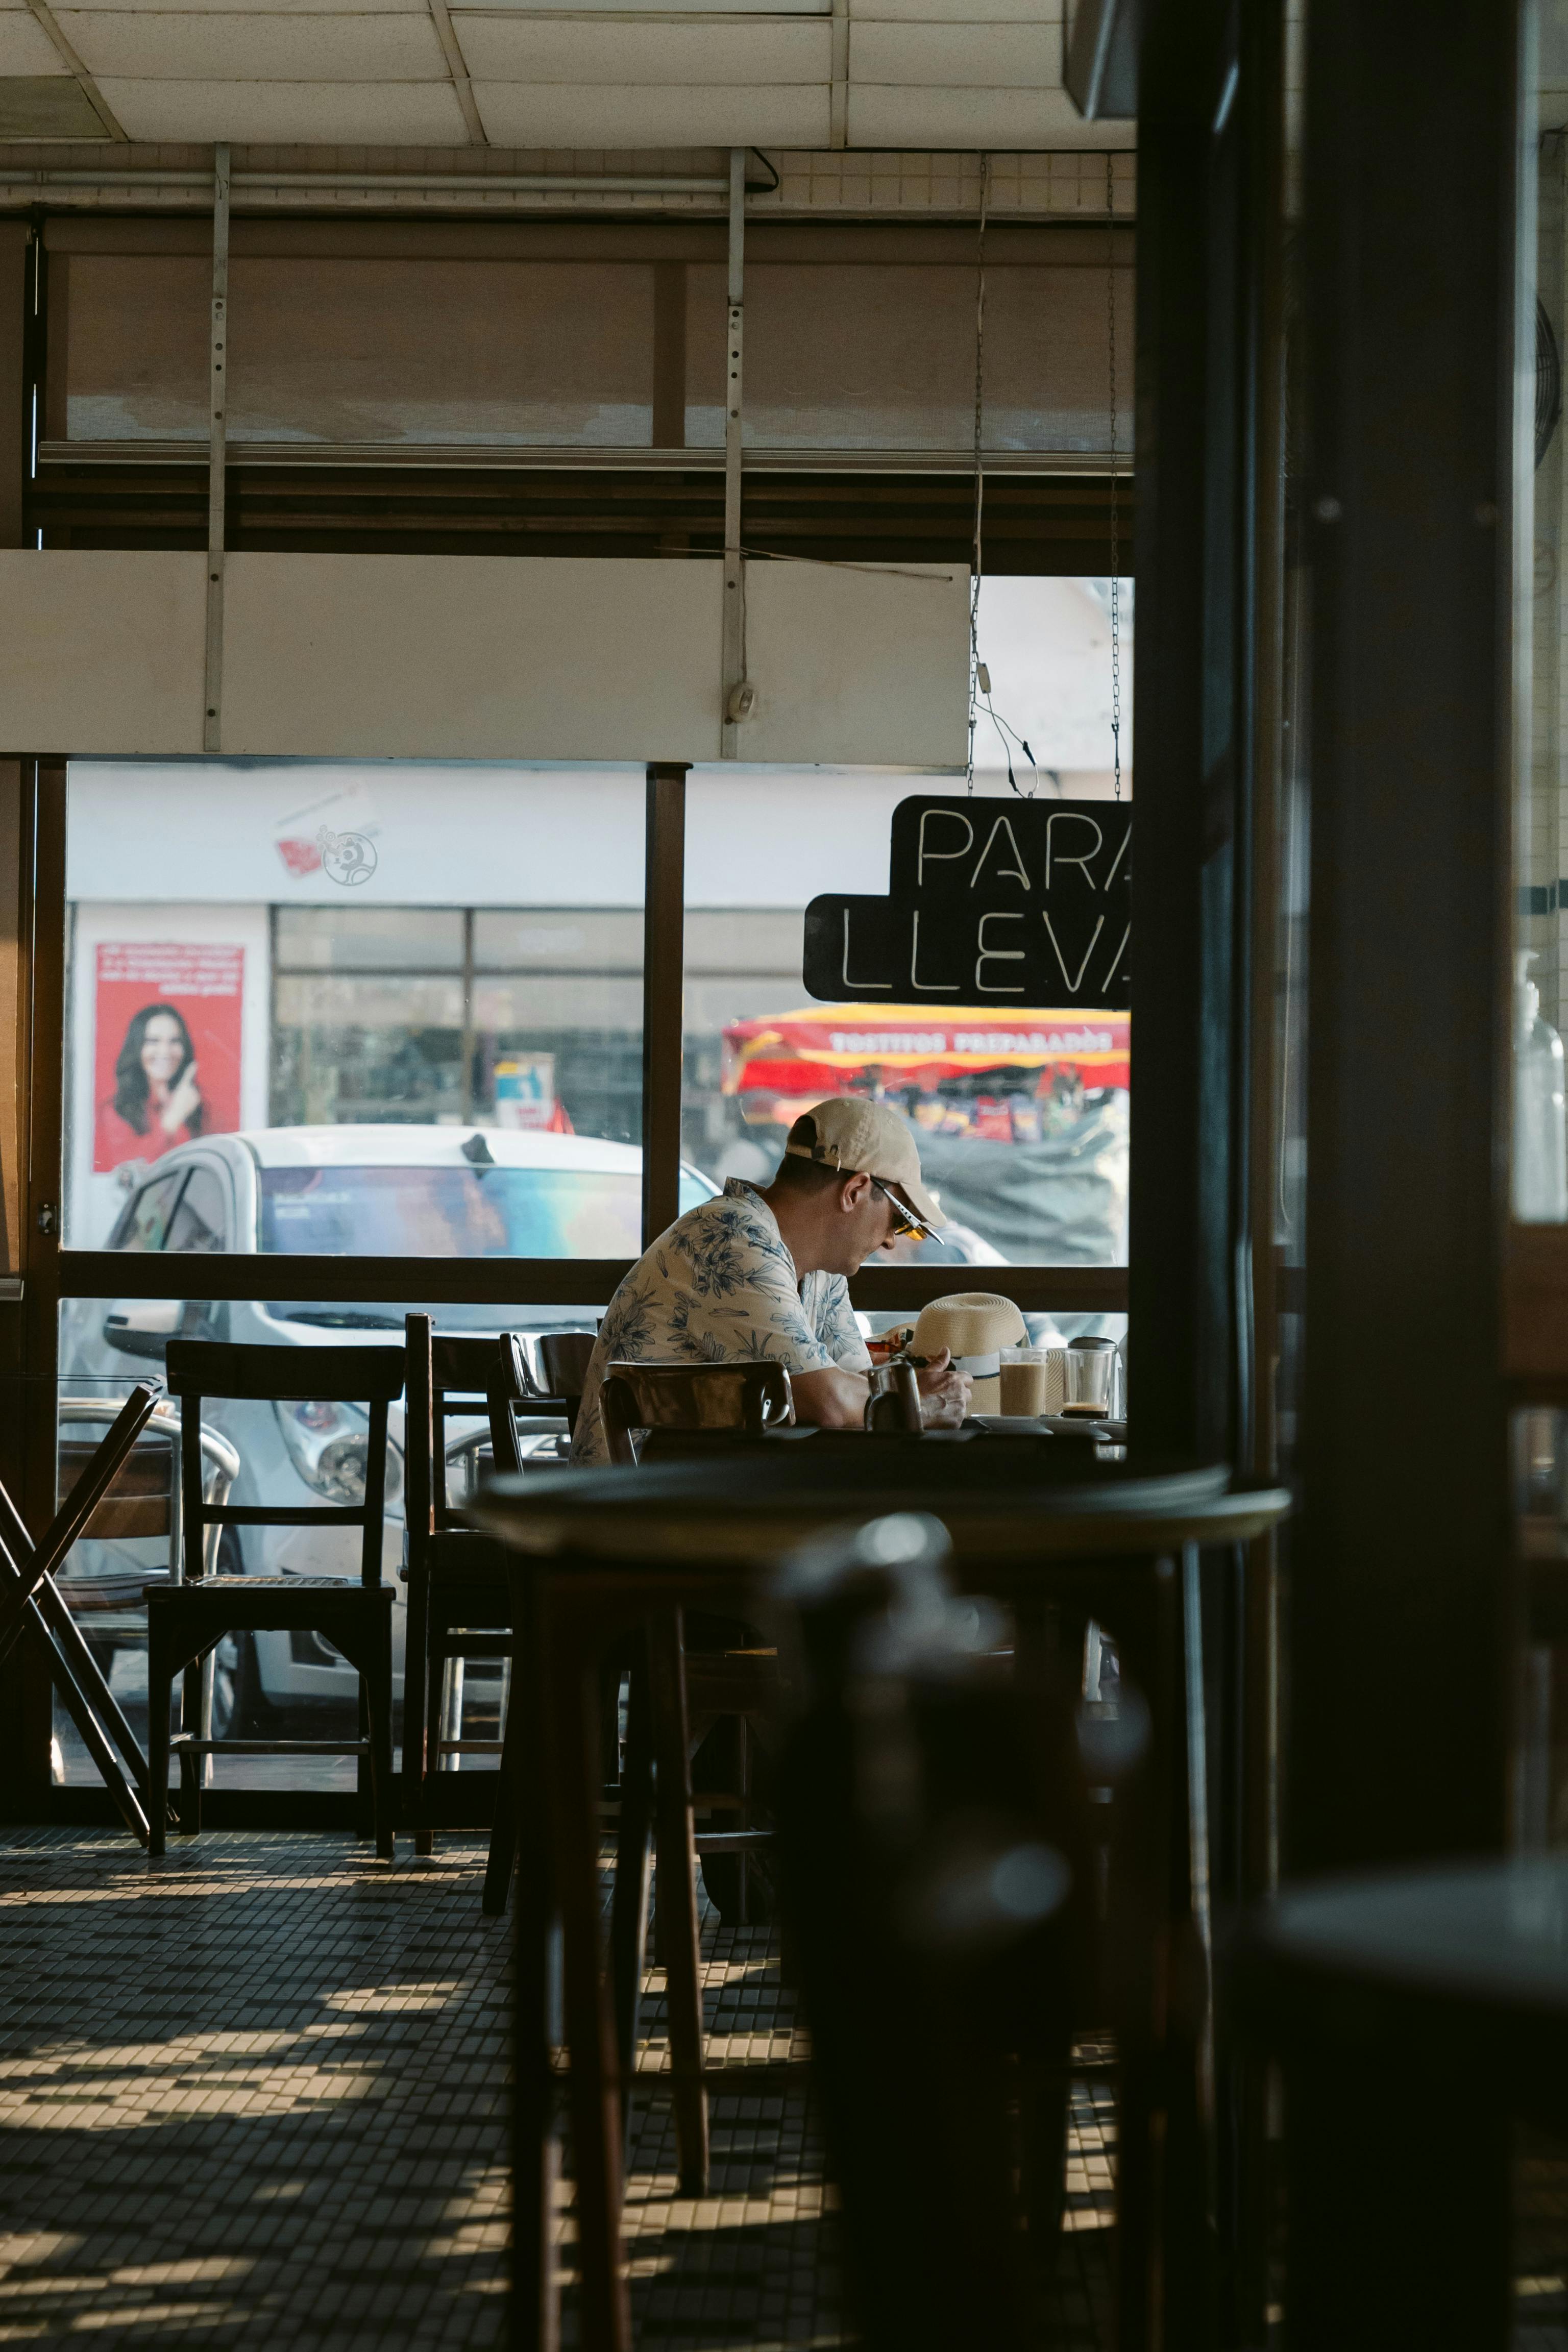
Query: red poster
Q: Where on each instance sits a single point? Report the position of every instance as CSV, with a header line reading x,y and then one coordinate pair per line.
x,y
167,1051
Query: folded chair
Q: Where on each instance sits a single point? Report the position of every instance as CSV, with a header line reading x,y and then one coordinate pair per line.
x,y
186,1621
31,1602
460,1602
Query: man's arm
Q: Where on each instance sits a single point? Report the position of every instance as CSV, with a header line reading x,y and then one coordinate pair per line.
x,y
830,1399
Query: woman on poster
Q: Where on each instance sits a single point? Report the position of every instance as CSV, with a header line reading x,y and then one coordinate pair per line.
x,y
156,1102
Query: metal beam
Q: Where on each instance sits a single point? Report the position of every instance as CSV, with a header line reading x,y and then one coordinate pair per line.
x,y
458,70
69,57
217,454
663,1025
734,617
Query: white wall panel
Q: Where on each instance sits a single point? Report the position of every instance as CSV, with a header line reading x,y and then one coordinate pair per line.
x,y
101,651
858,666
382,114
556,49
957,57
256,47
561,115
476,657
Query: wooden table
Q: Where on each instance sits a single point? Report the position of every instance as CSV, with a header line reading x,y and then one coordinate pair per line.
x,y
596,1549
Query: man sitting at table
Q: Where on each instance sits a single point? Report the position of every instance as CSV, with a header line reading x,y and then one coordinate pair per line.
x,y
759,1275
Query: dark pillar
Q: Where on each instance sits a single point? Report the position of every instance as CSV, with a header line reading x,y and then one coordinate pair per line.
x,y
1400,1572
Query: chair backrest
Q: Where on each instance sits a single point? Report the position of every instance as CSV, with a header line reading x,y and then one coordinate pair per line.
x,y
370,1377
563,1360
144,1499
454,1375
749,1396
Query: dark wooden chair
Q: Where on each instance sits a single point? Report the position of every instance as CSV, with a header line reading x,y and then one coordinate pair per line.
x,y
459,1602
750,1397
562,1358
187,1618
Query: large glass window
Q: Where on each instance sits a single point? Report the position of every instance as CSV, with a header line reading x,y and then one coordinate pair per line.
x,y
360,348
1022,1118
292,1028
857,336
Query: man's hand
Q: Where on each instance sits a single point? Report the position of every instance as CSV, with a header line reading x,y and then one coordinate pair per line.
x,y
944,1393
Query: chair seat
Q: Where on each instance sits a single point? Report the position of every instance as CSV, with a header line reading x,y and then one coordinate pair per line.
x,y
213,1587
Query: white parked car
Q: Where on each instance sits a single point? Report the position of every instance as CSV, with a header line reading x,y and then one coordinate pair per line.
x,y
430,1192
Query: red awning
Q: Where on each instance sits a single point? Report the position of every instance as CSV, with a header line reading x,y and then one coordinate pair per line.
x,y
827,1049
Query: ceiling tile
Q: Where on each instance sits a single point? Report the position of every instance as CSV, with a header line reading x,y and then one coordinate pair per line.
x,y
46,106
247,8
962,12
516,114
957,57
255,48
565,49
282,113
27,49
880,116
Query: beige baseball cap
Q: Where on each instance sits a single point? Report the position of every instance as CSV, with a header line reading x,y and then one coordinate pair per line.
x,y
864,1138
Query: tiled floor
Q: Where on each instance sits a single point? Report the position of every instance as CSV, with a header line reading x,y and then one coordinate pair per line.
x,y
256,2093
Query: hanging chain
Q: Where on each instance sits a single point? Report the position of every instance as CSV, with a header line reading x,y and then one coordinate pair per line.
x,y
976,561
1115,484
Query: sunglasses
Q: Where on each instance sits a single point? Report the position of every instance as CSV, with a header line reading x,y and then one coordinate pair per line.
x,y
905,1221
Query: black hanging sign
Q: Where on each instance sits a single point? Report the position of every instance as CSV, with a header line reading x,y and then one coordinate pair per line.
x,y
992,902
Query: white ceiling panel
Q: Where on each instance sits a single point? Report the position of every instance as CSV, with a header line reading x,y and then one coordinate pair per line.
x,y
662,8
26,47
254,47
565,49
961,12
380,114
517,115
883,116
957,57
250,8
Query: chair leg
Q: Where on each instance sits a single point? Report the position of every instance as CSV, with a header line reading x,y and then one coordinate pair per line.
x,y
520,1835
190,1766
677,1895
160,1698
573,1770
509,1800
377,1705
415,1717
628,1909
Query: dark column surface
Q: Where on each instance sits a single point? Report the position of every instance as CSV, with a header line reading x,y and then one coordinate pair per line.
x,y
1180,1269
1400,1576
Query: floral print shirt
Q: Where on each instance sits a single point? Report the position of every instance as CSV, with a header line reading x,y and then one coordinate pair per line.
x,y
720,1285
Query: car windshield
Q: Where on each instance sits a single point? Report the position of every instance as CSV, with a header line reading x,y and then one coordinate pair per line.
x,y
451,1212
459,1212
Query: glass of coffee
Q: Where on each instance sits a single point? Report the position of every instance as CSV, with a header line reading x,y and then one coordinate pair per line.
x,y
1090,1378
1024,1376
